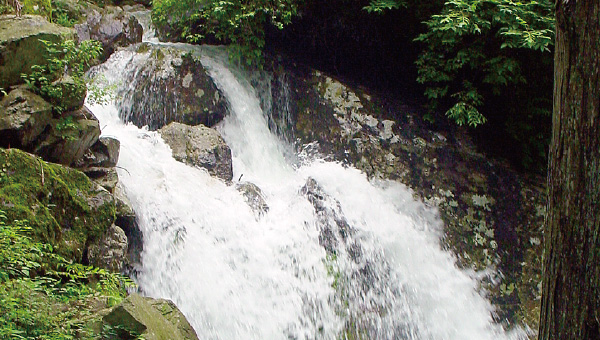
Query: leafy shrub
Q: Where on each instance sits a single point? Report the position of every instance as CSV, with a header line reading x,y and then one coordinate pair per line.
x,y
38,287
472,49
65,59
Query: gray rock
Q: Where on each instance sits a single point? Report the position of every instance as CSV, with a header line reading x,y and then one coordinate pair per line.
x,y
70,137
23,117
20,45
126,219
254,197
112,26
72,93
104,153
109,252
170,85
201,147
104,177
152,318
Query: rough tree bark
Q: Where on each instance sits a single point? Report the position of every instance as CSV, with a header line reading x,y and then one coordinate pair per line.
x,y
571,283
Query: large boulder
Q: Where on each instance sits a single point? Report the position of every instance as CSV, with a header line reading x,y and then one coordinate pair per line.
x,y
170,85
20,45
104,153
62,205
69,137
112,26
23,118
201,147
153,319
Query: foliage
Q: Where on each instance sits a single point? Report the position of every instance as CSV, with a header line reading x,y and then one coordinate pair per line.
x,y
472,47
239,23
37,286
64,59
378,6
61,17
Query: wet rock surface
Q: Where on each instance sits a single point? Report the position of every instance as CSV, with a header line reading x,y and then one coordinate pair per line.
x,y
201,147
170,85
493,215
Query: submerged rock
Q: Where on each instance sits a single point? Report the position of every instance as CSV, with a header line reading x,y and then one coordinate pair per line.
x,y
201,147
170,85
20,45
153,319
254,197
112,26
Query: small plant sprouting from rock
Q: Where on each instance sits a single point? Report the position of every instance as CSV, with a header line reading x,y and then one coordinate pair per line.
x,y
65,60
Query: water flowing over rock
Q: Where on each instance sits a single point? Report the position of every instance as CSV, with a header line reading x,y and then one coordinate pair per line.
x,y
20,45
201,147
170,85
491,212
254,197
112,26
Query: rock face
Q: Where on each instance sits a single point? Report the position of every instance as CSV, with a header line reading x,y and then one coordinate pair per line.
x,y
201,147
170,85
112,26
23,117
69,137
110,250
20,45
492,215
154,319
62,205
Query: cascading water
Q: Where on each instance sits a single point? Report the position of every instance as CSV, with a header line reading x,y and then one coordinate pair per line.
x,y
335,257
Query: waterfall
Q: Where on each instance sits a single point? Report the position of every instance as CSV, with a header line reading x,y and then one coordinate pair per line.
x,y
335,257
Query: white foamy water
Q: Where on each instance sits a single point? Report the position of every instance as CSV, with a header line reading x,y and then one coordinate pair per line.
x,y
344,257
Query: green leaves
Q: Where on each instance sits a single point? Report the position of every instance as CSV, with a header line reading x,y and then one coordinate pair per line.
x,y
472,42
237,23
37,286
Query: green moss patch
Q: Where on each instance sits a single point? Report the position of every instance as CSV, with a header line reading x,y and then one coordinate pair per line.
x,y
62,205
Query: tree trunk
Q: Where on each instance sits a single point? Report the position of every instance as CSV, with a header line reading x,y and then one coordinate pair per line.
x,y
571,283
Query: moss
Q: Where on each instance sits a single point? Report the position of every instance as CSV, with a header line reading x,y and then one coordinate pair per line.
x,y
62,205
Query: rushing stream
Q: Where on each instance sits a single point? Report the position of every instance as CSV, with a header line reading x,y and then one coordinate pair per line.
x,y
336,256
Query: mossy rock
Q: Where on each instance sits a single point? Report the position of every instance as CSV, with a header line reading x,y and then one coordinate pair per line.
x,y
62,205
20,45
153,319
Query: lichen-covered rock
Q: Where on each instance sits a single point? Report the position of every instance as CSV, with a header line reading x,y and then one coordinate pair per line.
x,y
490,211
23,117
201,147
62,205
110,250
69,137
20,45
170,85
112,26
254,197
151,318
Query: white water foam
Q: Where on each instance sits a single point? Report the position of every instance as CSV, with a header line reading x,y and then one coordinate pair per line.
x,y
238,277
